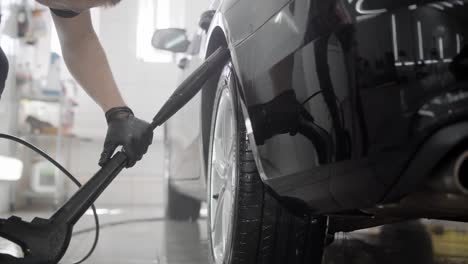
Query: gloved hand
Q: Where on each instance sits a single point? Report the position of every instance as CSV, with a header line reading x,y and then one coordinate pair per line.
x,y
124,129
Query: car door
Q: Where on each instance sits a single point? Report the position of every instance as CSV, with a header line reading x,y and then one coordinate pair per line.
x,y
183,130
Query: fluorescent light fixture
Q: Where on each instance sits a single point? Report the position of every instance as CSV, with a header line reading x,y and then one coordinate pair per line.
x,y
437,6
426,113
365,17
420,41
11,169
395,40
405,63
447,4
458,43
430,61
441,47
368,12
413,7
248,126
460,2
447,60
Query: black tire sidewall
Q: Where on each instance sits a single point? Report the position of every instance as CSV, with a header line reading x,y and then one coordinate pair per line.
x,y
262,230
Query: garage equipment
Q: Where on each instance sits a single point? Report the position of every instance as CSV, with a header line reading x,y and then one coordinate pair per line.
x,y
45,241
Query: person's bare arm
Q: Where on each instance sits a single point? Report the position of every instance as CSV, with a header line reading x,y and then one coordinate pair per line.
x,y
86,59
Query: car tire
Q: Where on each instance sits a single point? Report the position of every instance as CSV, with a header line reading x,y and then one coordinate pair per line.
x,y
181,207
246,224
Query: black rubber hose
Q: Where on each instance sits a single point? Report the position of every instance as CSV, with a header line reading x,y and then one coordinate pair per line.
x,y
70,176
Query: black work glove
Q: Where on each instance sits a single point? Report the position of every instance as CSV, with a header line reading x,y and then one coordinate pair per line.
x,y
124,129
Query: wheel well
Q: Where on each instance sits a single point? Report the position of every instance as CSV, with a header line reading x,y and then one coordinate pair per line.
x,y
217,40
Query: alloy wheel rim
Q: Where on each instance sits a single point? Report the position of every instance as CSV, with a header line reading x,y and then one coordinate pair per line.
x,y
223,176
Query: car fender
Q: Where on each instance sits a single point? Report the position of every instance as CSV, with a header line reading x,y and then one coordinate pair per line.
x,y
218,26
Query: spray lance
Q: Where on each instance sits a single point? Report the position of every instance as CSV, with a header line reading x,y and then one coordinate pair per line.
x,y
45,241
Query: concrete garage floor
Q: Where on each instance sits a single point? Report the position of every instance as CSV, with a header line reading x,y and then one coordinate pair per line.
x,y
156,241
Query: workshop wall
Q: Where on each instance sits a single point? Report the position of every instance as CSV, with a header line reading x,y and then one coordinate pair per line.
x,y
5,121
145,87
23,35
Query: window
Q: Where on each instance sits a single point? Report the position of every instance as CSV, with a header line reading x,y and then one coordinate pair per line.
x,y
152,14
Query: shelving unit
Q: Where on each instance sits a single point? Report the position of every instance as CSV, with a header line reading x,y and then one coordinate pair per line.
x,y
41,93
41,182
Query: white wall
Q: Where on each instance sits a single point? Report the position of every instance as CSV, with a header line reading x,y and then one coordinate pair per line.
x,y
145,86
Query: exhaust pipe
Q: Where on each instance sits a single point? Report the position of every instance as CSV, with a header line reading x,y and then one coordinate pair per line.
x,y
444,194
451,177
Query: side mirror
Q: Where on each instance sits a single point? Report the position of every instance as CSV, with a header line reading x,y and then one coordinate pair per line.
x,y
171,39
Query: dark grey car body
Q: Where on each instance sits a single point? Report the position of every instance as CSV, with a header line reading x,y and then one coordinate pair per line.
x,y
388,81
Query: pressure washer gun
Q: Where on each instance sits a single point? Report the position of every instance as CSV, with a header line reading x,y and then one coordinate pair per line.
x,y
45,241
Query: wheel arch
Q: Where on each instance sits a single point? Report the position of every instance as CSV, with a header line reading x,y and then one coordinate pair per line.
x,y
218,36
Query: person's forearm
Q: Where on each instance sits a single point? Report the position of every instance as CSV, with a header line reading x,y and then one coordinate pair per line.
x,y
87,62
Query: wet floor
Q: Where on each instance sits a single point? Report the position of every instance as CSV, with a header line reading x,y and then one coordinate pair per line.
x,y
411,242
152,240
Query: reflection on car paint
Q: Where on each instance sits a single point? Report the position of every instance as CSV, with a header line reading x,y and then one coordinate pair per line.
x,y
388,77
341,94
292,119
